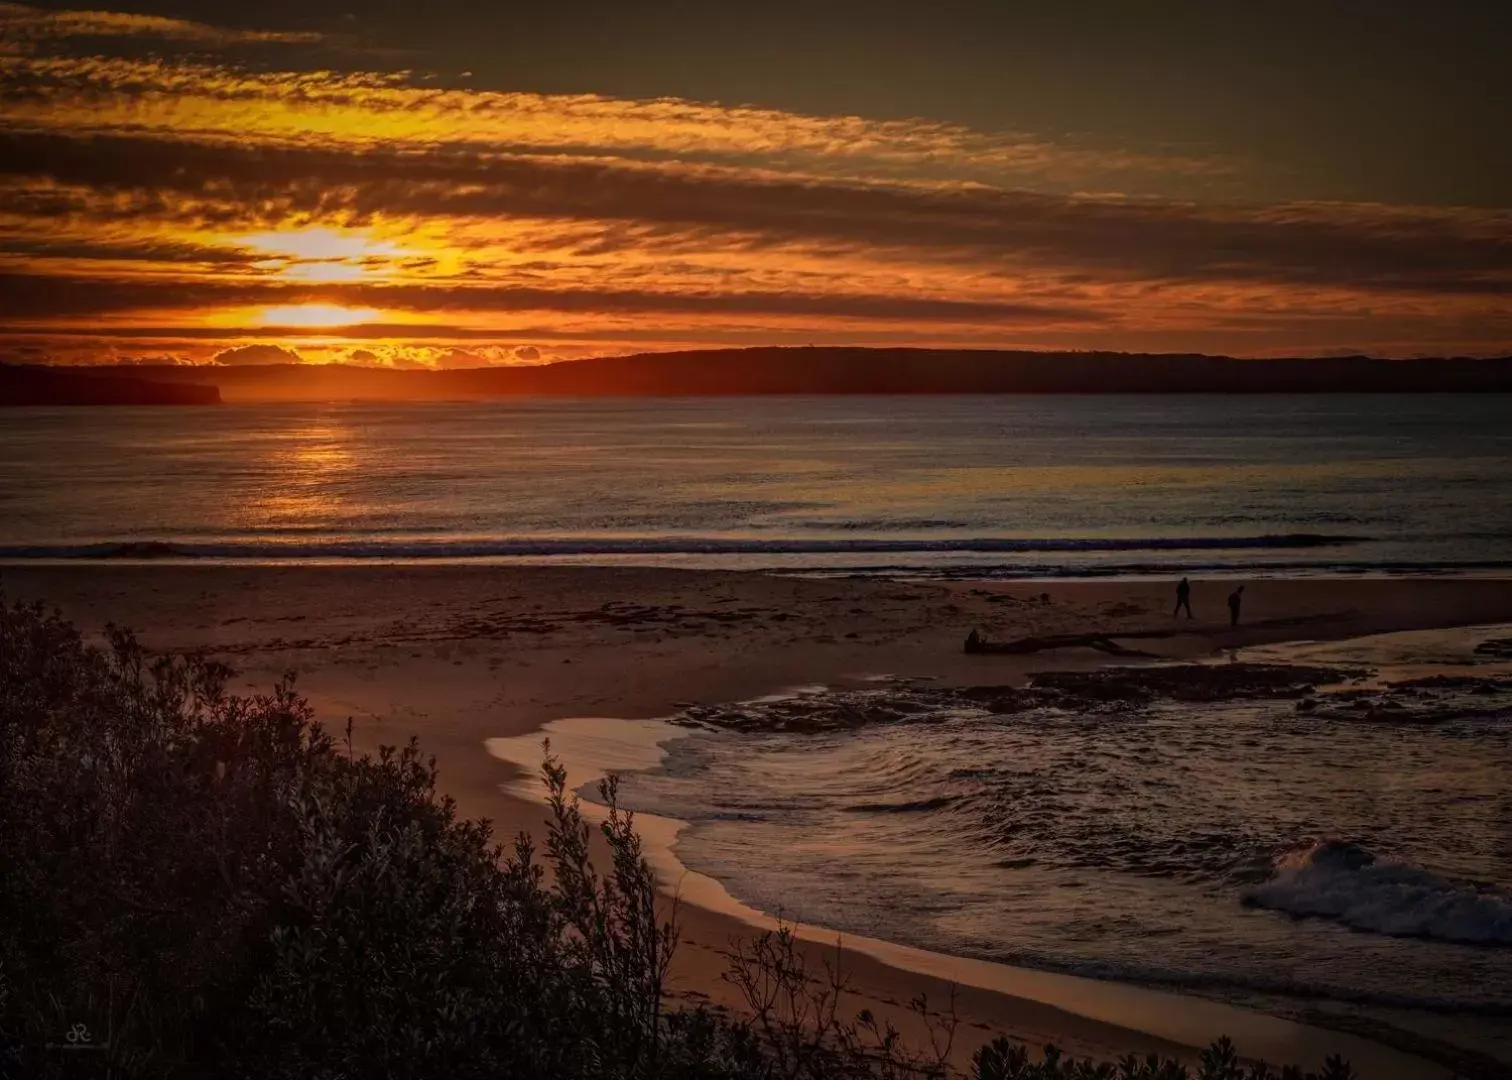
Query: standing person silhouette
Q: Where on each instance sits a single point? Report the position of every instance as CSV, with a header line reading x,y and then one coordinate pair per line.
x,y
1235,599
1183,598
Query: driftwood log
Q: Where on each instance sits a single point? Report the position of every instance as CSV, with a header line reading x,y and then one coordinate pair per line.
x,y
977,644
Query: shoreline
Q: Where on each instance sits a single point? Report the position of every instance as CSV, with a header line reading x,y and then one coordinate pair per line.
x,y
463,655
591,748
943,572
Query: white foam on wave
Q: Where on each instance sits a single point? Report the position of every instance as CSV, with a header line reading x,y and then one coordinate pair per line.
x,y
1347,883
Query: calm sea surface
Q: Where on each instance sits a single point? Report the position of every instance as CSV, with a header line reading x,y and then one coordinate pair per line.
x,y
999,485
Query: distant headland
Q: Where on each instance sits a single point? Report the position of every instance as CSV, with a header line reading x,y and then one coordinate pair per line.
x,y
97,386
813,370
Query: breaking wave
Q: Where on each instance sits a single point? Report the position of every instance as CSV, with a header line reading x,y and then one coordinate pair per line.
x,y
1347,883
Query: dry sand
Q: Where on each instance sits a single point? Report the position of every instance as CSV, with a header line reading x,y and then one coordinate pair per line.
x,y
463,654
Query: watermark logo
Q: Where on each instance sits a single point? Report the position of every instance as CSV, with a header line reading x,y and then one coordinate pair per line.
x,y
73,1036
79,1037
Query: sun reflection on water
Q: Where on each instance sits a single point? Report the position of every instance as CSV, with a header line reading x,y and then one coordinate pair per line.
x,y
306,471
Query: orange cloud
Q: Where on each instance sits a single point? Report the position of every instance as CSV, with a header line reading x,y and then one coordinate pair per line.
x,y
21,22
256,354
372,109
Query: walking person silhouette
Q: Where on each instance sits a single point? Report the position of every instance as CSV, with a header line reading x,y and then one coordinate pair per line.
x,y
1183,598
1235,599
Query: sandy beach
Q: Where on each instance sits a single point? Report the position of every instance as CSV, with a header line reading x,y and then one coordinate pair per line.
x,y
460,655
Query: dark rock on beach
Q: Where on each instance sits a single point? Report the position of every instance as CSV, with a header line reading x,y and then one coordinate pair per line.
x,y
1187,682
1086,691
1495,649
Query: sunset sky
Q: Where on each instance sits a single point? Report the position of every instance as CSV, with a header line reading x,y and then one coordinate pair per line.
x,y
425,184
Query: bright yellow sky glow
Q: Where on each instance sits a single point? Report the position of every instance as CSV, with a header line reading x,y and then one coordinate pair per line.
x,y
325,255
316,316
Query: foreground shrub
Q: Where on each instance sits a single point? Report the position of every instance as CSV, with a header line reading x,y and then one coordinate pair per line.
x,y
213,881
214,886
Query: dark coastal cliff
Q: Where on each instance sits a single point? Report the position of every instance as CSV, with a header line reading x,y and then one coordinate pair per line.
x,y
56,386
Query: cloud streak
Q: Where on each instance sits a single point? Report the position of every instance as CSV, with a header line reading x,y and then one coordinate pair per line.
x,y
32,25
46,297
365,110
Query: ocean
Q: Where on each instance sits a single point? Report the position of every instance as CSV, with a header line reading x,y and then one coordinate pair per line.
x,y
972,487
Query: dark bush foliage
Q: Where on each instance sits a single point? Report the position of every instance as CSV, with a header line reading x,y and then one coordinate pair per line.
x,y
217,887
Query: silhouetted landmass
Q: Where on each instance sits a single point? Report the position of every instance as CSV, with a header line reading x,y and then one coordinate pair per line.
x,y
938,371
52,386
858,371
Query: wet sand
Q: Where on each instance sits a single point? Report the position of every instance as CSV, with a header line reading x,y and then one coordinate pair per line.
x,y
460,655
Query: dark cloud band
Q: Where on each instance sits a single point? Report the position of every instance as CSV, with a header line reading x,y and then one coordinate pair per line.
x,y
1312,245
